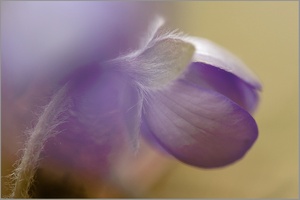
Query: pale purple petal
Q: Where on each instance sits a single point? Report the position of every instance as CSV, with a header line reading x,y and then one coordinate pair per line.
x,y
213,54
223,82
198,126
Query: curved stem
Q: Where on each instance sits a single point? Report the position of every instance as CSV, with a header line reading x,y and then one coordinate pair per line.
x,y
51,118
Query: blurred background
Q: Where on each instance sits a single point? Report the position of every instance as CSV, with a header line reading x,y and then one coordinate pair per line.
x,y
265,35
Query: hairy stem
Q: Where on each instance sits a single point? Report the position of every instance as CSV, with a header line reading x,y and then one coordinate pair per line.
x,y
52,117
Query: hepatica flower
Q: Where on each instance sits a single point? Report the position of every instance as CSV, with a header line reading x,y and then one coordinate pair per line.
x,y
194,99
185,95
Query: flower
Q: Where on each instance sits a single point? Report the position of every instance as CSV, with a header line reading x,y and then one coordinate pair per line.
x,y
185,95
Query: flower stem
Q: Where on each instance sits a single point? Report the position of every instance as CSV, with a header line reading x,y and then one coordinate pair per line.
x,y
53,116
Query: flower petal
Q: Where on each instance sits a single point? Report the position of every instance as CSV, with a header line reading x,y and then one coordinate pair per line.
x,y
223,82
198,126
213,54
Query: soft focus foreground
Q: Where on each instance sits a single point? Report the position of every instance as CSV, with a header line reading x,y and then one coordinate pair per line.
x,y
43,44
211,183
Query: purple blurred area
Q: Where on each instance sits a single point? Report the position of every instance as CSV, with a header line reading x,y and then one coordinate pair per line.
x,y
52,38
43,42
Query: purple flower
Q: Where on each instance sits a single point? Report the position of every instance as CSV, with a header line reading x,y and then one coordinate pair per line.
x,y
185,95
